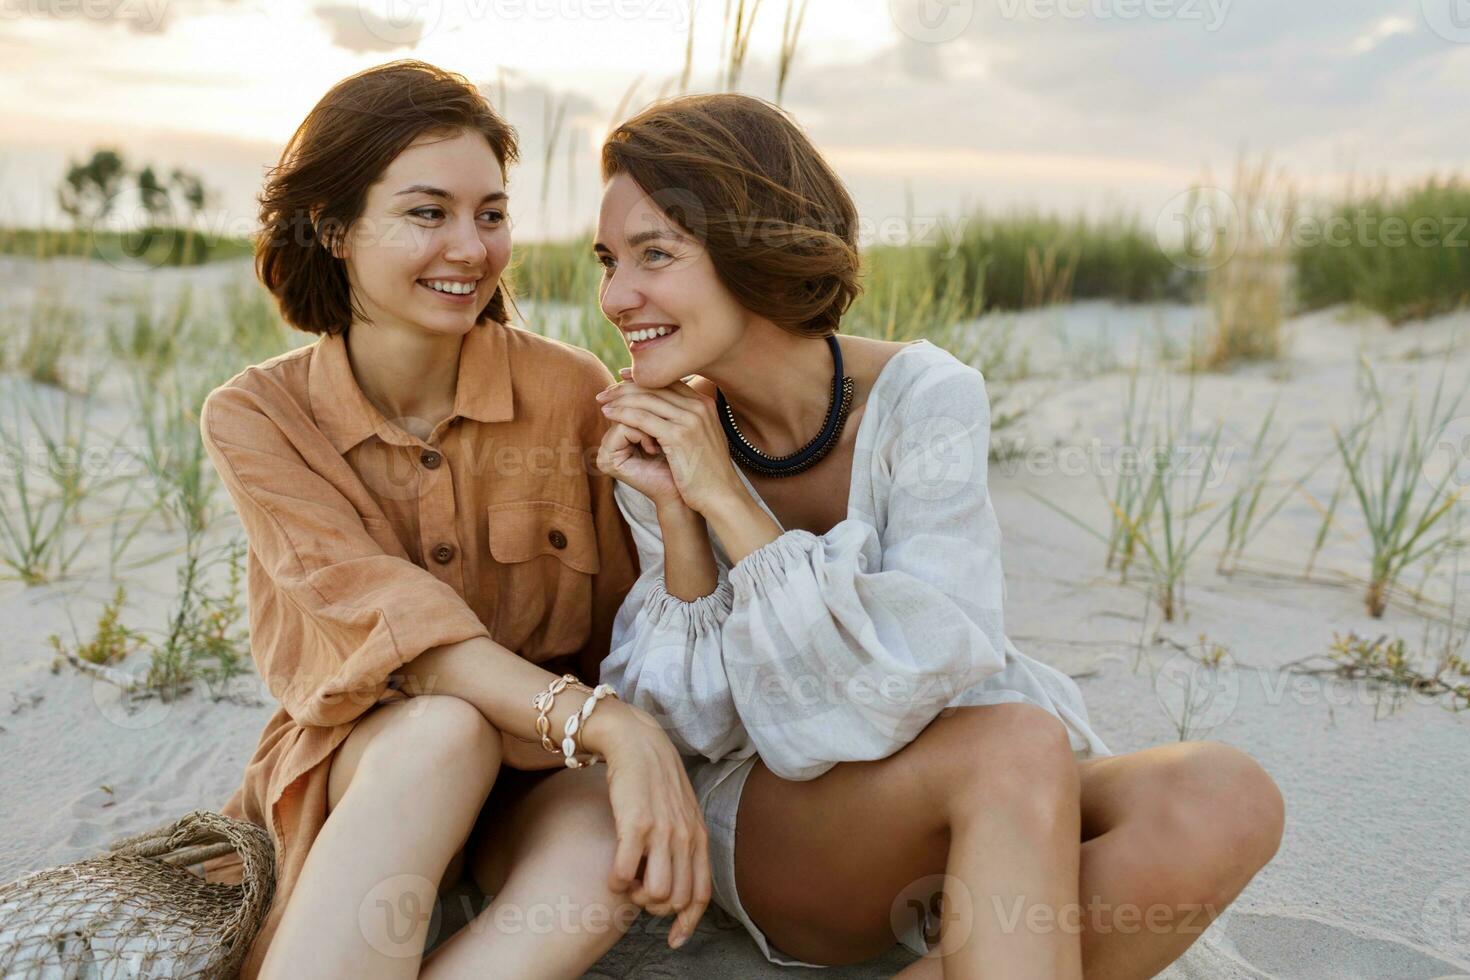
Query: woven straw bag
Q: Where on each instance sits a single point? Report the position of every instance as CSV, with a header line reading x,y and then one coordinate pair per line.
x,y
137,910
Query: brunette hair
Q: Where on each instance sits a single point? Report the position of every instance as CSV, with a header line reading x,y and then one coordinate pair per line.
x,y
320,186
737,174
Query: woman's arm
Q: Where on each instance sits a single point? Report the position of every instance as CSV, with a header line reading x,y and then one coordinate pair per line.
x,y
689,558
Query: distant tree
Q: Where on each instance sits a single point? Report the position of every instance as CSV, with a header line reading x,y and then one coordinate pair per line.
x,y
89,190
153,195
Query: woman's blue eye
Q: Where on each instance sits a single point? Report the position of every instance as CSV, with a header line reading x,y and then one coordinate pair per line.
x,y
434,214
652,254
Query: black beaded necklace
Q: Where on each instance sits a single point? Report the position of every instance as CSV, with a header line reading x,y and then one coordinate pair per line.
x,y
752,459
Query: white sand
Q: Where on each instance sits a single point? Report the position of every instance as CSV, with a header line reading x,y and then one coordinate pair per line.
x,y
1371,880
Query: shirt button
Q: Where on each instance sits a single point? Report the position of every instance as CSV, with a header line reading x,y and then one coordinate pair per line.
x,y
431,459
557,539
443,553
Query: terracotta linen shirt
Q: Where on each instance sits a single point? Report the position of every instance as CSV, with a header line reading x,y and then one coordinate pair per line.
x,y
369,546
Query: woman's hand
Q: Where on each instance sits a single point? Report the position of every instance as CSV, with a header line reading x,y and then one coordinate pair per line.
x,y
687,430
662,858
634,458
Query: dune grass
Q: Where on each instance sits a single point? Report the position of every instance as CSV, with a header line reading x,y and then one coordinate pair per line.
x,y
1404,254
1406,516
1165,464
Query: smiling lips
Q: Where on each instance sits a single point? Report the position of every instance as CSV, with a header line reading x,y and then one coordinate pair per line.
x,y
648,336
454,290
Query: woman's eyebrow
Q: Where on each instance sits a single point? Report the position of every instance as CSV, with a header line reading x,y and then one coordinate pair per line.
x,y
440,192
638,238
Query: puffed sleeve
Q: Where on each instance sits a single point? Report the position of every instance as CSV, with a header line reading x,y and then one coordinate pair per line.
x,y
842,647
665,655
332,615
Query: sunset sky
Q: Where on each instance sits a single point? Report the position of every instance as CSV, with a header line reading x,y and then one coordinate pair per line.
x,y
924,106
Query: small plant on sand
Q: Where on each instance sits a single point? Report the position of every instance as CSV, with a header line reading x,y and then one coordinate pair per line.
x,y
1388,666
1404,513
38,516
1251,506
172,452
204,638
111,642
1153,503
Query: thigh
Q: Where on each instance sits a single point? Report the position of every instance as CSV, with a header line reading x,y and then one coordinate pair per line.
x,y
566,809
819,863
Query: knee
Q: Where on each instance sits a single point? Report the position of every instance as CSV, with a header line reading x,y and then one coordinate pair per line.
x,y
442,733
1014,756
1224,815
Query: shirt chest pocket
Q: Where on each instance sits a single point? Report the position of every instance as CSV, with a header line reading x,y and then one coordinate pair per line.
x,y
547,557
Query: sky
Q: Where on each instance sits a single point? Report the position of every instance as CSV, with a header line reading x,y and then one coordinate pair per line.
x,y
928,109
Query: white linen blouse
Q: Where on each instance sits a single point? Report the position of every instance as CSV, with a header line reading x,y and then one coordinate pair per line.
x,y
820,649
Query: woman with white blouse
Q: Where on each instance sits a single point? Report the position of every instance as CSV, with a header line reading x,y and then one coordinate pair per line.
x,y
818,619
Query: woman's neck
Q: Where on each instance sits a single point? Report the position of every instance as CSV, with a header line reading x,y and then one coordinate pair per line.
x,y
408,376
779,386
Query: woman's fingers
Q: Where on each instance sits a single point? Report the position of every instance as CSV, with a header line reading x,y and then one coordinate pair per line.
x,y
632,843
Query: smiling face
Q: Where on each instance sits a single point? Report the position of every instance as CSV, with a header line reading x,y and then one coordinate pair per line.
x,y
434,237
657,280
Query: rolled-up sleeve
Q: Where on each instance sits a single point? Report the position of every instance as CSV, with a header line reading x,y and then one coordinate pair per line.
x,y
333,615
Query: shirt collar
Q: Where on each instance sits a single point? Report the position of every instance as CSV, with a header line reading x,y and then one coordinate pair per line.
x,y
345,415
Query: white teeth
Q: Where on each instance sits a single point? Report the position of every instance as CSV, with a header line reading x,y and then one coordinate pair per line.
x,y
444,286
652,332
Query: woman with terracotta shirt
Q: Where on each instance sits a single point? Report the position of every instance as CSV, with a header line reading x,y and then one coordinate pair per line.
x,y
430,546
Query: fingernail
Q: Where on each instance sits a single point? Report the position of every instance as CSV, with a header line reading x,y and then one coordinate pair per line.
x,y
678,941
606,409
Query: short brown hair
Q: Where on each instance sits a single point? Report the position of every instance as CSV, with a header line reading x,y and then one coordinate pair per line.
x,y
341,149
740,176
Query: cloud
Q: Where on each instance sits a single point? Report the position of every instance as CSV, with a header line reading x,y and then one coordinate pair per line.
x,y
355,28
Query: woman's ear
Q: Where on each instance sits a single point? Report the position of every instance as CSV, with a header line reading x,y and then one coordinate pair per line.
x,y
329,234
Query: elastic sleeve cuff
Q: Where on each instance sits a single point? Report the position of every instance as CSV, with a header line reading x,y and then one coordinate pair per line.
x,y
703,615
767,567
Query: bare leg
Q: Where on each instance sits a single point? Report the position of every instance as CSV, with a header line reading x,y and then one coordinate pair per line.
x,y
1174,826
544,856
404,793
